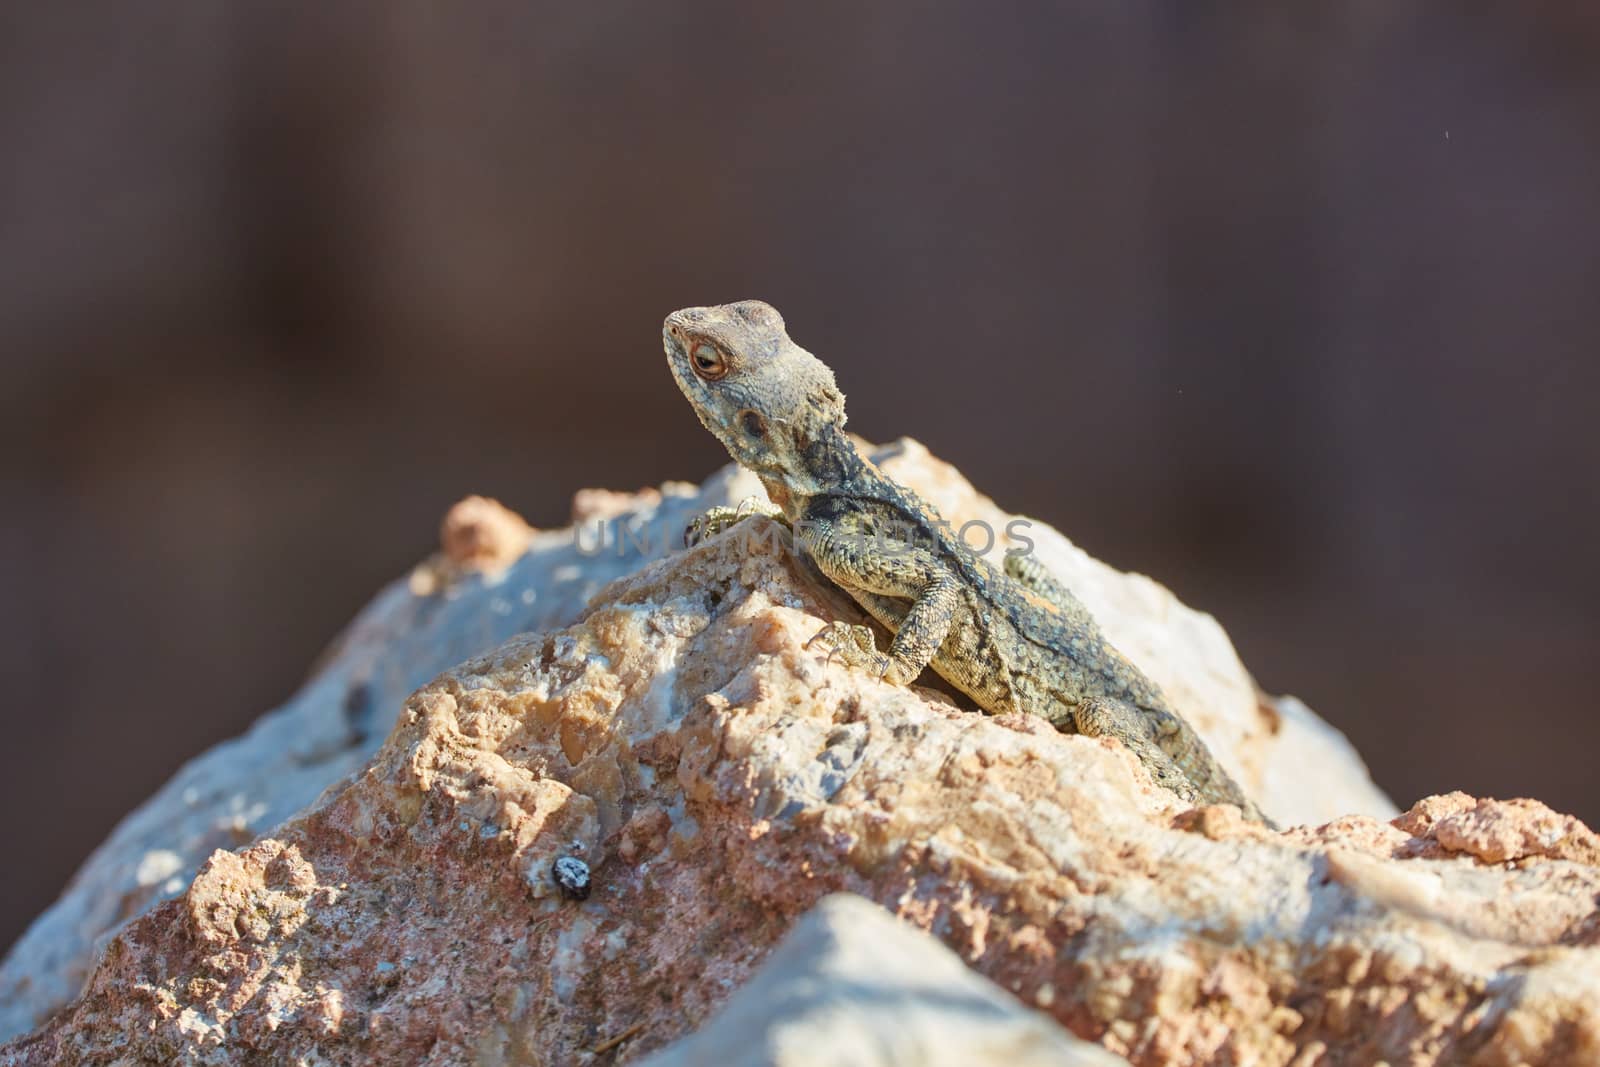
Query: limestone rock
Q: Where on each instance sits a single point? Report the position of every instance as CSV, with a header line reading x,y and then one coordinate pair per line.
x,y
718,780
850,987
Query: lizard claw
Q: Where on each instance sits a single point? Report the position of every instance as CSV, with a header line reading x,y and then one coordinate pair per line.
x,y
853,644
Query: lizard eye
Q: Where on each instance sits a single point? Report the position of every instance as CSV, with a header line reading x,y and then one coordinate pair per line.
x,y
708,362
753,423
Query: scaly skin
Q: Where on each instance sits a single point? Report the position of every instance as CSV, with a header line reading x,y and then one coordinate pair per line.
x,y
1013,641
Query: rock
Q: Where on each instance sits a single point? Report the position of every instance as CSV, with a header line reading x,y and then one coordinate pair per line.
x,y
478,591
849,985
483,534
718,780
493,578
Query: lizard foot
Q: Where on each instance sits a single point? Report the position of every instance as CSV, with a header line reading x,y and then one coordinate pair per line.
x,y
855,645
713,521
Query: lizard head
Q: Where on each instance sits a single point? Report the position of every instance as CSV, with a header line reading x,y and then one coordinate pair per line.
x,y
769,401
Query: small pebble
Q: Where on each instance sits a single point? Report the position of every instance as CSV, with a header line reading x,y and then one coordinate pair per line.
x,y
572,877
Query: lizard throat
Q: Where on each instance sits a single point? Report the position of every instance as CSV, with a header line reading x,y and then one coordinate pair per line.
x,y
824,462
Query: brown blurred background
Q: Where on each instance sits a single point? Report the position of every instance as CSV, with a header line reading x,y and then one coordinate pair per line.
x,y
1294,307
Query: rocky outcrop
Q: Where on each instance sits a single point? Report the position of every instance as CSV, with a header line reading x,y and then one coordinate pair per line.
x,y
715,780
495,577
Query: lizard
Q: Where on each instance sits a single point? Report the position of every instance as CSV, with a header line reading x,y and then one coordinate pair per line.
x,y
1013,639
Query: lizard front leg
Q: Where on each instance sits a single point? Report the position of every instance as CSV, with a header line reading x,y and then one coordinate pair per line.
x,y
858,561
713,521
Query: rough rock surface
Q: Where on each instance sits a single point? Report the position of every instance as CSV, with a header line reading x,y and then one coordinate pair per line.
x,y
495,577
719,780
850,987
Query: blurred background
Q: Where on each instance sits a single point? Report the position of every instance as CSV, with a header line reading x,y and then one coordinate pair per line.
x,y
1294,307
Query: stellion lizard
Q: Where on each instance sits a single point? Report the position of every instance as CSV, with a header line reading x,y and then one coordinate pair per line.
x,y
1013,641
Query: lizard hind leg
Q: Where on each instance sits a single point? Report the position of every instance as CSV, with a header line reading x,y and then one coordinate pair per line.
x,y
1026,569
1097,717
1035,577
1172,754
